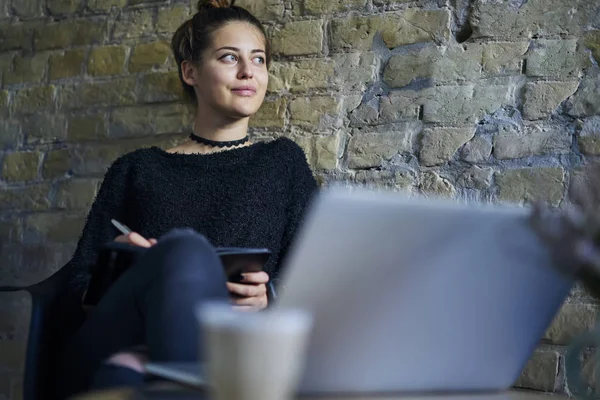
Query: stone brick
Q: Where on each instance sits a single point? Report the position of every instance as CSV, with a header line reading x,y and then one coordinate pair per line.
x,y
571,321
476,150
591,40
58,7
55,227
531,184
33,100
403,105
402,69
148,56
20,167
69,33
6,64
28,69
13,317
13,354
270,115
56,164
434,185
94,160
169,19
10,134
44,128
118,92
503,58
354,71
534,18
308,111
318,7
476,177
160,87
371,149
301,76
466,104
25,198
399,180
438,145
589,138
4,101
365,114
16,36
132,121
586,101
105,5
10,231
298,38
540,371
264,10
411,26
37,261
326,152
28,8
556,58
451,63
134,23
86,127
76,194
388,2
66,65
543,98
538,140
580,185
106,60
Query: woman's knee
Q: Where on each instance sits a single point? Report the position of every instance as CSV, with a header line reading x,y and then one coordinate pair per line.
x,y
132,360
182,252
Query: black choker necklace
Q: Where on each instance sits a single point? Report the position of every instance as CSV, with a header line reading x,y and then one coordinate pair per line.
x,y
215,143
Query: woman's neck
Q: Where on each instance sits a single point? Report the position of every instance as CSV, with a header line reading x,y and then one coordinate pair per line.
x,y
210,125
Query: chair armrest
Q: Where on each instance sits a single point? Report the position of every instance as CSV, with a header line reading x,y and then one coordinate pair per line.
x,y
13,288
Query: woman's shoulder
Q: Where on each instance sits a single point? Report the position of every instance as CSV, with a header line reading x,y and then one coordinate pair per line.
x,y
286,146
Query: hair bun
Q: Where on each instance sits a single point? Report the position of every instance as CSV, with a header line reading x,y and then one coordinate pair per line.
x,y
207,4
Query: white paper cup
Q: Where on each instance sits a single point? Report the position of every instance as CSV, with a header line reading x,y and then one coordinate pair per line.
x,y
253,355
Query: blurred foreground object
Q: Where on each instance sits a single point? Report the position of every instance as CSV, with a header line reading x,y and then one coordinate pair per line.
x,y
573,236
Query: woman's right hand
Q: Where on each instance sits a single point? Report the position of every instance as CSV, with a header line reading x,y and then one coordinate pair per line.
x,y
135,239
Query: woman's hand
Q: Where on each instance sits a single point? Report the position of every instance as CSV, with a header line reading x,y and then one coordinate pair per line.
x,y
135,239
251,294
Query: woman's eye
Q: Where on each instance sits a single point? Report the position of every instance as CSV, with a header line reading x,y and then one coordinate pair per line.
x,y
259,60
229,58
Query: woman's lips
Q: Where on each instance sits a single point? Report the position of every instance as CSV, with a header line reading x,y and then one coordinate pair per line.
x,y
245,91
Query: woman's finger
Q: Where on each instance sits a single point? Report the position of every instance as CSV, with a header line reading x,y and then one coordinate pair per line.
x,y
248,301
245,290
122,239
153,241
138,240
255,277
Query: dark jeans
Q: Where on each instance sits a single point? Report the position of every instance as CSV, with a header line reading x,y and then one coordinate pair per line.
x,y
152,303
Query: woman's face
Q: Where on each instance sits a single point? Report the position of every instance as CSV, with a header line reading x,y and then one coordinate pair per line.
x,y
232,76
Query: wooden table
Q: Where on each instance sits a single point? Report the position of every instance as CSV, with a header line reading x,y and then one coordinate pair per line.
x,y
170,392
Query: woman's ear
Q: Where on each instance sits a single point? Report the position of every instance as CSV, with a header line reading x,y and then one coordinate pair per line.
x,y
188,71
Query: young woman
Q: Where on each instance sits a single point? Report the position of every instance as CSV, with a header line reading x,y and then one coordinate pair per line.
x,y
216,189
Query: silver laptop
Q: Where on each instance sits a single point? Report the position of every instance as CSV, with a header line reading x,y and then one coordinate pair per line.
x,y
418,295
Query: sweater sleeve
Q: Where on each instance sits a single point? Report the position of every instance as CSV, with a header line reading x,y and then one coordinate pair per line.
x,y
303,187
109,203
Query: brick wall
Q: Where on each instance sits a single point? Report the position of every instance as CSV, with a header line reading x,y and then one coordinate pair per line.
x,y
470,99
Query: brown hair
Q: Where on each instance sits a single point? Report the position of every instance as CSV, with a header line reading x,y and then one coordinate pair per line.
x,y
194,36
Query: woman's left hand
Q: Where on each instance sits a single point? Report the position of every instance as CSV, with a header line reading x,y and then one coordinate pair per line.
x,y
251,294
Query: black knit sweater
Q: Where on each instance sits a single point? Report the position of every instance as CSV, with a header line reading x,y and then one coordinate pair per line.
x,y
252,196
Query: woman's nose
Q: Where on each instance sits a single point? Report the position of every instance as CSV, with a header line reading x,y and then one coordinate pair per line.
x,y
245,71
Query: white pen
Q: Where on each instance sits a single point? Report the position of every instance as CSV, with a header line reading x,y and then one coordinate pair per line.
x,y
124,230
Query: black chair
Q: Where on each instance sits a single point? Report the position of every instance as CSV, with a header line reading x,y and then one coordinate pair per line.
x,y
44,337
45,334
